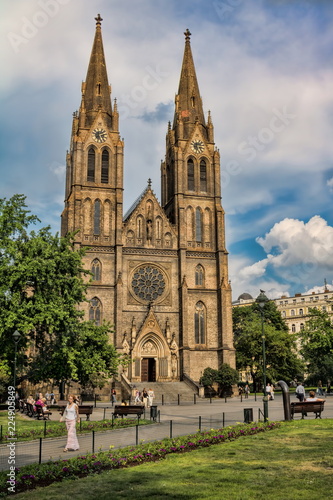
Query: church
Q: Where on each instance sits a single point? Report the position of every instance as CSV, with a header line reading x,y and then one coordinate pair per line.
x,y
159,271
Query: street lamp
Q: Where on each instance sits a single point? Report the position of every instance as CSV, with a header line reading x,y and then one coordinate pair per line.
x,y
16,338
261,300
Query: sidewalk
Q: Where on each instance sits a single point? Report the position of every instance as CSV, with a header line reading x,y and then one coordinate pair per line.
x,y
175,420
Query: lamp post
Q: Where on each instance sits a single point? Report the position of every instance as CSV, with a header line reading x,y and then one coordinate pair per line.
x,y
16,339
261,300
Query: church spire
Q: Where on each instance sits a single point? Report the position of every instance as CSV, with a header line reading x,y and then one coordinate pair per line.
x,y
188,109
96,89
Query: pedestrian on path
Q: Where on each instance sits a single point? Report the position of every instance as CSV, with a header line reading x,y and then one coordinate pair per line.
x,y
71,416
145,397
300,392
151,396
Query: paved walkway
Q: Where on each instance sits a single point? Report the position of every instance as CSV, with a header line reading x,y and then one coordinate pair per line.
x,y
175,420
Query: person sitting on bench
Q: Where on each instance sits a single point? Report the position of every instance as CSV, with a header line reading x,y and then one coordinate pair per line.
x,y
312,397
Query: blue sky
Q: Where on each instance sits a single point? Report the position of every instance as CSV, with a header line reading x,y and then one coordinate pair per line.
x,y
265,72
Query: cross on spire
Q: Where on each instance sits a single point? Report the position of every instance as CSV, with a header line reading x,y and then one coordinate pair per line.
x,y
187,34
98,20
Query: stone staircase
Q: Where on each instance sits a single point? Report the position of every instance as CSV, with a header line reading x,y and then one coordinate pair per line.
x,y
169,390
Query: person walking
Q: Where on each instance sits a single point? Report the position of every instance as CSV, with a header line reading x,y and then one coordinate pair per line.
x,y
71,416
151,396
137,399
300,392
114,396
145,397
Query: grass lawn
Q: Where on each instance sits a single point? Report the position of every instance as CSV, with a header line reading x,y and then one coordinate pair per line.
x,y
292,462
29,429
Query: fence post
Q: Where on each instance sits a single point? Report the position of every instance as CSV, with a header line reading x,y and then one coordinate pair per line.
x,y
194,399
44,428
104,413
162,399
1,432
200,423
178,399
223,419
40,450
170,429
93,441
136,435
80,424
95,400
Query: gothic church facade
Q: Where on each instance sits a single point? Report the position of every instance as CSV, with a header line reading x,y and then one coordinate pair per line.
x,y
160,272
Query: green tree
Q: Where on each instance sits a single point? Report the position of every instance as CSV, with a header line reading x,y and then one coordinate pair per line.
x,y
282,362
42,283
316,341
225,377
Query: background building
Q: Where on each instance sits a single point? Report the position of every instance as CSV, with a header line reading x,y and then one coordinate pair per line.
x,y
160,272
295,310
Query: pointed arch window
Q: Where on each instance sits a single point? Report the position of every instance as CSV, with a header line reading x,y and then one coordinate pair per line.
x,y
198,224
203,176
199,275
200,323
91,165
96,270
95,311
105,166
97,217
190,175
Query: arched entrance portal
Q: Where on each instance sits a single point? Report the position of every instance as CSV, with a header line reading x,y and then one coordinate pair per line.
x,y
148,370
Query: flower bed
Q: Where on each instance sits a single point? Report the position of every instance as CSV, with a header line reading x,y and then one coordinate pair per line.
x,y
31,476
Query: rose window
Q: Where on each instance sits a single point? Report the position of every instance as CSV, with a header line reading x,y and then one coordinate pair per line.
x,y
148,283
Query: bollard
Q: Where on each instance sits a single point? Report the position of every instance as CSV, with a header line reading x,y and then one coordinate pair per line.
x,y
40,450
104,413
44,428
223,419
136,435
194,399
170,429
93,441
200,423
178,399
162,399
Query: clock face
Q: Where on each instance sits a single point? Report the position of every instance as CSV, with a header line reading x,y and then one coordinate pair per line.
x,y
197,146
99,135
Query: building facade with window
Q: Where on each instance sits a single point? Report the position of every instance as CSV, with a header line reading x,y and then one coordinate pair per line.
x,y
160,271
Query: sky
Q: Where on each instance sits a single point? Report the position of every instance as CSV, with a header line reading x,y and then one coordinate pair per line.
x,y
265,72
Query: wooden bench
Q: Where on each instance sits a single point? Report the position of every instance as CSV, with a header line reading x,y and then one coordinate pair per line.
x,y
83,410
121,410
40,414
306,407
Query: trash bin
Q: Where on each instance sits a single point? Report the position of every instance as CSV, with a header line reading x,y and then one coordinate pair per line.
x,y
153,413
248,415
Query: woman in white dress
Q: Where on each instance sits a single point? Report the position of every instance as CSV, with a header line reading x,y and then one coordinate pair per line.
x,y
151,396
71,416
